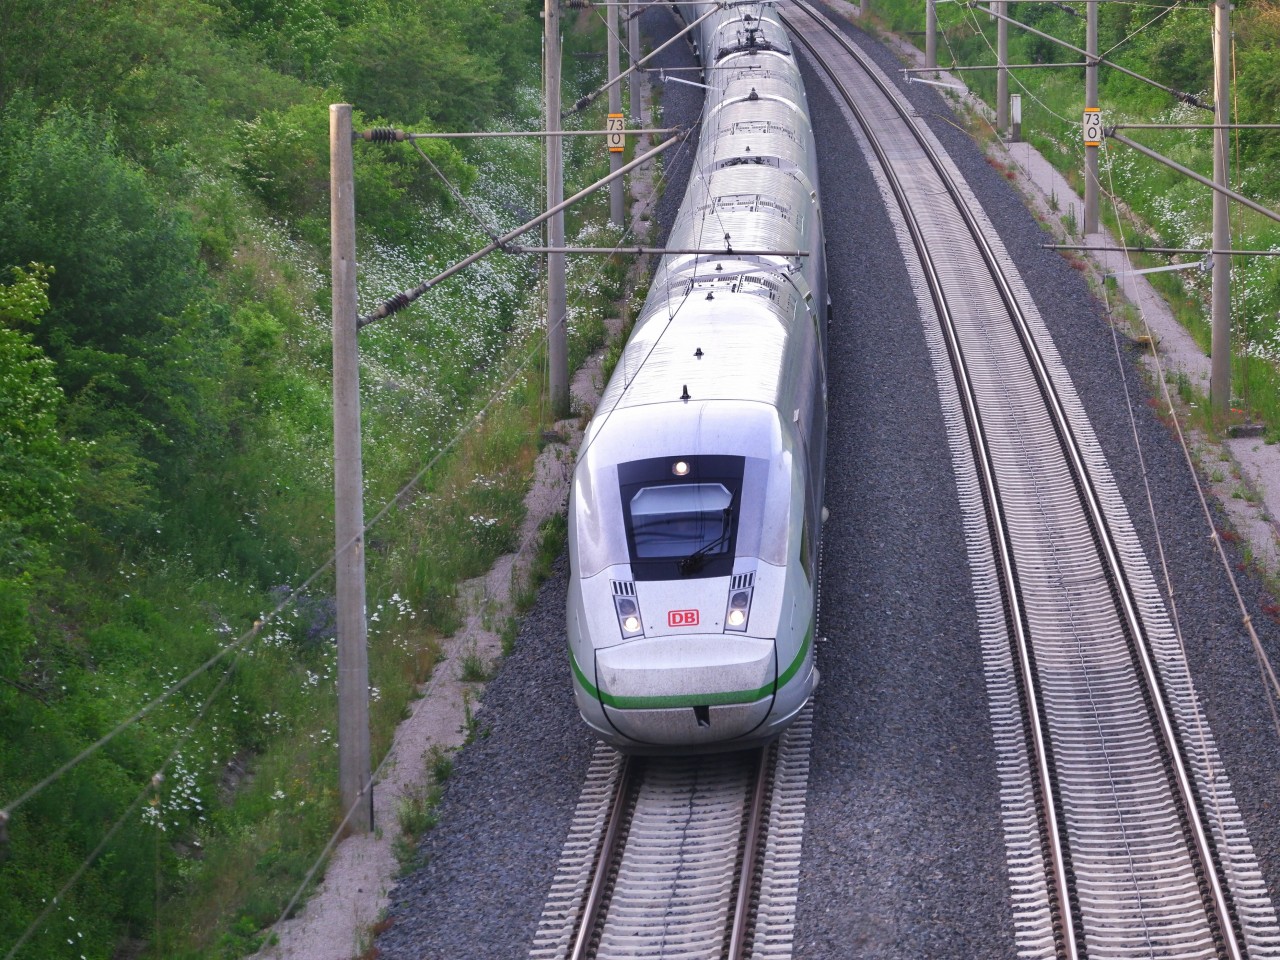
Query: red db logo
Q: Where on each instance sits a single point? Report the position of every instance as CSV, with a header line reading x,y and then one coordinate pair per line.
x,y
682,618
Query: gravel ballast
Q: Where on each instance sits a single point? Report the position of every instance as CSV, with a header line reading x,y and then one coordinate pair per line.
x,y
903,850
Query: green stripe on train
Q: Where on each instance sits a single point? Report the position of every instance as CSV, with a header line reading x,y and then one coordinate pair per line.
x,y
694,699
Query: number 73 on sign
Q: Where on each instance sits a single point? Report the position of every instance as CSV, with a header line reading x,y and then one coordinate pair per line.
x,y
614,132
1092,127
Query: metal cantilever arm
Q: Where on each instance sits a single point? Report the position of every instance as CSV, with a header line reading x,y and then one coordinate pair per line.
x,y
406,297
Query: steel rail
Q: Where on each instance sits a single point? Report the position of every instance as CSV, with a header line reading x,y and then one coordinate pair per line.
x,y
595,900
1218,908
1001,536
742,912
594,906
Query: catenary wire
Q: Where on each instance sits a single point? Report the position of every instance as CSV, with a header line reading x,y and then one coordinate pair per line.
x,y
1201,732
1268,676
1150,23
245,639
153,784
337,834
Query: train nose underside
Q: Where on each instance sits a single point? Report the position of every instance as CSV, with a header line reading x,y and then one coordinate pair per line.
x,y
701,690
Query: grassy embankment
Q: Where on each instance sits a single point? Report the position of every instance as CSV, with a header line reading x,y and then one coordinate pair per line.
x,y
1144,201
169,161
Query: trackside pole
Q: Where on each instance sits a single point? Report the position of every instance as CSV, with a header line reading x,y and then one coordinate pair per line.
x,y
557,340
1002,71
633,55
1220,313
353,655
931,33
616,213
1092,186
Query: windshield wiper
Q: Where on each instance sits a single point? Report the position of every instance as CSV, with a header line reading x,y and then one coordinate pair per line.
x,y
698,559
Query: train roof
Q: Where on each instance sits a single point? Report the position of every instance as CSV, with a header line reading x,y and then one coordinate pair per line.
x,y
739,428
732,347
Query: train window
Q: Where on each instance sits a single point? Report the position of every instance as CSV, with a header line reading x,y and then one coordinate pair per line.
x,y
681,524
681,519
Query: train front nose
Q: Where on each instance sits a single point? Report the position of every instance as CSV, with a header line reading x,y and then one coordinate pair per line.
x,y
687,690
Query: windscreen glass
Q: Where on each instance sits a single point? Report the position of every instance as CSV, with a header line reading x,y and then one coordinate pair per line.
x,y
680,515
676,521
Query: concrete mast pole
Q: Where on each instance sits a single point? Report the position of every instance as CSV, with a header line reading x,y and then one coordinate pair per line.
x,y
557,339
1002,63
1220,362
1091,183
353,655
616,211
931,33
633,54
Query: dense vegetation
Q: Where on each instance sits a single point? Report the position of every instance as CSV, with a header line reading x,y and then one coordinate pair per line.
x,y
165,431
1170,43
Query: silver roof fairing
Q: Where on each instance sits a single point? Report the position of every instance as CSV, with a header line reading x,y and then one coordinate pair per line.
x,y
746,351
758,208
769,79
748,128
750,430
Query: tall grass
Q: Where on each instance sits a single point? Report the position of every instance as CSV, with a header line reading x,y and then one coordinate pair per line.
x,y
1144,201
220,843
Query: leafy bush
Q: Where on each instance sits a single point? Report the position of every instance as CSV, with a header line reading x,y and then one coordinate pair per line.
x,y
285,160
124,263
38,469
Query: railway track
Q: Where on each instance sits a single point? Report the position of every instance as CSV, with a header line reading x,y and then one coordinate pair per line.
x,y
1123,839
693,857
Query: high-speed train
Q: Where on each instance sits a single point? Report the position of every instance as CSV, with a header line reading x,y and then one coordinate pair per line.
x,y
697,500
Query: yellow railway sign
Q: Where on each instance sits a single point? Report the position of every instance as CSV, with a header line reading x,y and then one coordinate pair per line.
x,y
1092,127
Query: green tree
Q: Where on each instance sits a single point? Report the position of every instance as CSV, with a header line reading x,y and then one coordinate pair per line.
x,y
124,259
285,159
38,466
1258,78
411,62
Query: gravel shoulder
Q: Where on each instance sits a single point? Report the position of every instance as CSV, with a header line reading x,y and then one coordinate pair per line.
x,y
934,843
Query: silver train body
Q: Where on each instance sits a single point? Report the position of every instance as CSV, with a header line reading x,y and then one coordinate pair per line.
x,y
697,499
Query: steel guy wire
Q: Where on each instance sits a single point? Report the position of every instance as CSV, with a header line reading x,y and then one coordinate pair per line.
x,y
1270,684
396,501
457,194
1163,13
1012,73
620,42
245,639
153,784
390,754
239,645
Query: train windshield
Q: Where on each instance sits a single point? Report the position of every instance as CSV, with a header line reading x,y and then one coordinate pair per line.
x,y
679,520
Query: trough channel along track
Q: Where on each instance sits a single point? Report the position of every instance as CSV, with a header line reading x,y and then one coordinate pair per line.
x,y
1122,836
682,857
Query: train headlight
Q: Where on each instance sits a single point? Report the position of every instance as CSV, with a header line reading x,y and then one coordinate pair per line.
x,y
628,616
680,468
735,617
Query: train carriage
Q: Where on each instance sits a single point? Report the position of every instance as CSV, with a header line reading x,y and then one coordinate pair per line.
x,y
697,498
